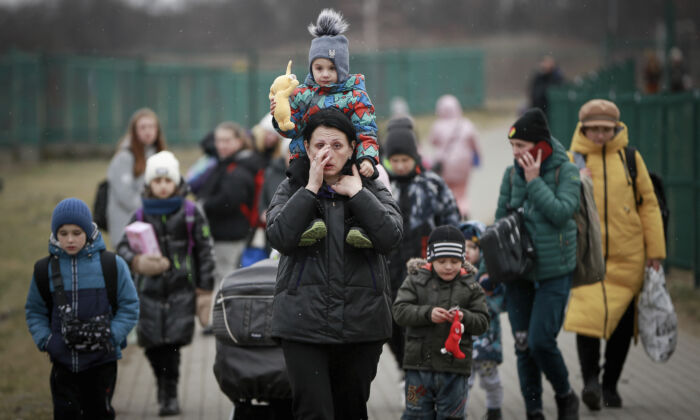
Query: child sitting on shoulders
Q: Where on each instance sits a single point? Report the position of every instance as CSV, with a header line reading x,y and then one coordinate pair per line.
x,y
488,352
175,285
436,383
329,84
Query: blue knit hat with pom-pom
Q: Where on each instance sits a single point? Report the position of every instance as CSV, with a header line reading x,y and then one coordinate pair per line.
x,y
72,211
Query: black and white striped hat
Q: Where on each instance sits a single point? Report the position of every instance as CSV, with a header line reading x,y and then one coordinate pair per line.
x,y
445,241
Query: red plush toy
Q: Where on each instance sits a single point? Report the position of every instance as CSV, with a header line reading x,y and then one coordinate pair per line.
x,y
452,342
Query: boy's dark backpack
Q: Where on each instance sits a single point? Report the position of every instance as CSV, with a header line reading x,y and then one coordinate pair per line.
x,y
656,181
108,261
99,206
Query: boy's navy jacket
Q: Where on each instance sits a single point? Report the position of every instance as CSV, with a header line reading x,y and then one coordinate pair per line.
x,y
168,300
82,272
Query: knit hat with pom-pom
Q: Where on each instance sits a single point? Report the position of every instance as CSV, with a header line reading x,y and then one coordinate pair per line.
x,y
330,43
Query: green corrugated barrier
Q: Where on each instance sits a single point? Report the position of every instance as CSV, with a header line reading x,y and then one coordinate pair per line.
x,y
57,99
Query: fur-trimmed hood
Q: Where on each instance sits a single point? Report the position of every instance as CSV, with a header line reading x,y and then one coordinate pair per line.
x,y
414,265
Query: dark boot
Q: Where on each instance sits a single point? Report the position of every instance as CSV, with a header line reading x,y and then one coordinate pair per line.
x,y
493,414
535,415
171,406
611,398
591,393
567,406
162,393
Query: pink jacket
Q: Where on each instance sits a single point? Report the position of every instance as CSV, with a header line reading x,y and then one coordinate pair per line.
x,y
455,141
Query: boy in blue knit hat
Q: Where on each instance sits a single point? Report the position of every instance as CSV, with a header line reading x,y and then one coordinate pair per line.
x,y
73,316
488,351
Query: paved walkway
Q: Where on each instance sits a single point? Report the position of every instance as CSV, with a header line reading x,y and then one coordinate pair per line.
x,y
649,390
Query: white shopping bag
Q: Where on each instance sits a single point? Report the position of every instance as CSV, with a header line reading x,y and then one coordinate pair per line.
x,y
658,325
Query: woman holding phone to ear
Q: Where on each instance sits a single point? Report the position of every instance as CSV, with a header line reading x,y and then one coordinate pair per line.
x,y
547,186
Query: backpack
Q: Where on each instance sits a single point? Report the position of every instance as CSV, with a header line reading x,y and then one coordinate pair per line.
x,y
190,209
252,214
108,260
99,206
656,181
590,263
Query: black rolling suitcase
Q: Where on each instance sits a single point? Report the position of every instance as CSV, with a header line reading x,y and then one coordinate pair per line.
x,y
249,365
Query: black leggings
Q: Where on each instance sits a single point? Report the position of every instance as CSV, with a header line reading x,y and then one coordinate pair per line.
x,y
616,350
331,381
165,361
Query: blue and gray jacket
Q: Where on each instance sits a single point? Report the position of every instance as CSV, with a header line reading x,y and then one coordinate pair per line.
x,y
82,273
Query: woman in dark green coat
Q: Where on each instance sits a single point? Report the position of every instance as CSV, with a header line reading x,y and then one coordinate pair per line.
x,y
547,186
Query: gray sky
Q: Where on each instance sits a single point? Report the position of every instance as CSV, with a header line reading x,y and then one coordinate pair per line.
x,y
151,4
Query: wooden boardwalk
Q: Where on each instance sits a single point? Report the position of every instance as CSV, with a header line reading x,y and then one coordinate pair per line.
x,y
649,390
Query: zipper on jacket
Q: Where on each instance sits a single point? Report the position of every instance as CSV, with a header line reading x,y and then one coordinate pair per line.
x,y
602,282
605,192
74,298
301,271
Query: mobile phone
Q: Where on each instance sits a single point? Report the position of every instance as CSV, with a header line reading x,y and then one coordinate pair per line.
x,y
544,146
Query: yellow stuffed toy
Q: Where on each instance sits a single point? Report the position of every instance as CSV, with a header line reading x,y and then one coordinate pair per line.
x,y
281,88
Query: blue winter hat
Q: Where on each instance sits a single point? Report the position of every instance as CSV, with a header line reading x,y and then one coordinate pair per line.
x,y
72,211
472,230
330,43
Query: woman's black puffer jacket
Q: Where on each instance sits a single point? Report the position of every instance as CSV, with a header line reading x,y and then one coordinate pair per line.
x,y
332,292
168,301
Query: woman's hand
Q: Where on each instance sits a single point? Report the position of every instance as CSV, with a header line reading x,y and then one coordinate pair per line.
x,y
530,165
586,171
439,315
655,263
316,169
273,105
349,185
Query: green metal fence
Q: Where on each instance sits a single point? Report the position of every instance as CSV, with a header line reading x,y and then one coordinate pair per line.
x,y
666,130
56,99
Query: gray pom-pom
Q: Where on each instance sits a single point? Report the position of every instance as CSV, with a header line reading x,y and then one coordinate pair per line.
x,y
329,23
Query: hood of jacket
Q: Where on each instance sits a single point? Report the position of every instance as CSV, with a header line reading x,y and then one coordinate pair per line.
x,y
94,243
354,82
448,107
582,144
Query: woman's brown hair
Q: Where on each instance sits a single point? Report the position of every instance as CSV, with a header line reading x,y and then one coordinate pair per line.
x,y
136,146
239,132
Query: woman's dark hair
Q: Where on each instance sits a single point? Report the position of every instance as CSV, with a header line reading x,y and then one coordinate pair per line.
x,y
333,118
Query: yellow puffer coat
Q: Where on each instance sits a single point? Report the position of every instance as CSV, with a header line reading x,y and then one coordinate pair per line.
x,y
630,235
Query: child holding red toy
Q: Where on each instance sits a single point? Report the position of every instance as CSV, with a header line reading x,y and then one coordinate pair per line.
x,y
433,294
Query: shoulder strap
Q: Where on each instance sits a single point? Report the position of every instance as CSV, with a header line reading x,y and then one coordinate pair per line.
x,y
579,159
57,282
108,260
631,160
190,209
512,173
139,214
41,278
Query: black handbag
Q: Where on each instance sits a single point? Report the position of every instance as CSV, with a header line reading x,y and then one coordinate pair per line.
x,y
508,249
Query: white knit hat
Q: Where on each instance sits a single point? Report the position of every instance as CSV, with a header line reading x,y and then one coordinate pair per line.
x,y
162,164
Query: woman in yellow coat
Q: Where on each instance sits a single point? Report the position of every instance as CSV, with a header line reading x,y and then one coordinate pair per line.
x,y
632,235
